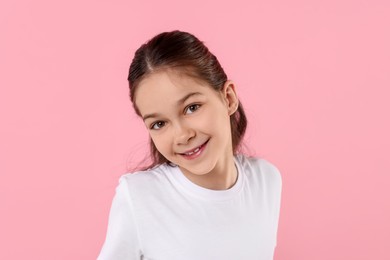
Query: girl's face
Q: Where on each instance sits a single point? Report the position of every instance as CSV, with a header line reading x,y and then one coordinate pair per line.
x,y
188,121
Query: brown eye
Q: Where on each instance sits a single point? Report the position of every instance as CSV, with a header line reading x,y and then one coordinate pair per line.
x,y
157,125
191,108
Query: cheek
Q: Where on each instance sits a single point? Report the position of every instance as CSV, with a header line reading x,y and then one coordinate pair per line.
x,y
217,122
161,142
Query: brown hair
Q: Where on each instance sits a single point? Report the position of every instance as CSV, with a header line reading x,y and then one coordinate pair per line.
x,y
185,52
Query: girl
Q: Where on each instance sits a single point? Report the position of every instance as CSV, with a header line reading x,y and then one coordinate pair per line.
x,y
200,199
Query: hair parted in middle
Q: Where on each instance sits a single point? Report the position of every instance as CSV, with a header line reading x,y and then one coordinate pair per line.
x,y
184,52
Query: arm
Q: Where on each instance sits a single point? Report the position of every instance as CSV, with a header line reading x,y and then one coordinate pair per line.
x,y
122,241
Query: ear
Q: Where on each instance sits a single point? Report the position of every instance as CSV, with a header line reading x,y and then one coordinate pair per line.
x,y
230,97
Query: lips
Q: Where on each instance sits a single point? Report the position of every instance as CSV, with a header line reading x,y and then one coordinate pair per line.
x,y
195,151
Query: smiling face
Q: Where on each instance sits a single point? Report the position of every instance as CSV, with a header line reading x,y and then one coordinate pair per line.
x,y
188,121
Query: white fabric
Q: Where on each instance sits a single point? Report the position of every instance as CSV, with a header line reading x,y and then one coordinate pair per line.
x,y
161,215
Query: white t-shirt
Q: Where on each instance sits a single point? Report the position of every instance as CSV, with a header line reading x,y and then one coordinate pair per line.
x,y
160,214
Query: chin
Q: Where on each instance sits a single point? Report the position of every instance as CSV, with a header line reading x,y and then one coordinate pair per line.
x,y
199,169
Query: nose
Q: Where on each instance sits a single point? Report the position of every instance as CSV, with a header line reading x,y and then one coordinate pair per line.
x,y
183,133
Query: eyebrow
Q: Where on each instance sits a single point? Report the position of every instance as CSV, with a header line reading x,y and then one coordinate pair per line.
x,y
183,99
180,101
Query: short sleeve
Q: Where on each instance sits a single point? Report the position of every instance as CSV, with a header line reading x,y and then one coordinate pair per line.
x,y
278,197
122,241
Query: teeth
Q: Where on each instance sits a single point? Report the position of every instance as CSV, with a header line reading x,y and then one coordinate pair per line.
x,y
195,151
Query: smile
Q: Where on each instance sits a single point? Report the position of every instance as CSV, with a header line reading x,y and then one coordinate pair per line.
x,y
194,153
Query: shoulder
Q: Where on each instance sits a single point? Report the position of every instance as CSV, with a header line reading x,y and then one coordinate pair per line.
x,y
154,173
146,182
259,168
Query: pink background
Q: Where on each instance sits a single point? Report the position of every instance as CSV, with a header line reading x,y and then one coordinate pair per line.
x,y
313,76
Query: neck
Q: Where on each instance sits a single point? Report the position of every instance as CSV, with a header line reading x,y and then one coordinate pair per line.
x,y
222,177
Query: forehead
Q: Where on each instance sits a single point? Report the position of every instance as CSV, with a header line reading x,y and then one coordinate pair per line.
x,y
166,87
